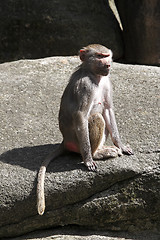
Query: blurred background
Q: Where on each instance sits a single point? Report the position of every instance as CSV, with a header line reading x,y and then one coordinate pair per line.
x,y
31,29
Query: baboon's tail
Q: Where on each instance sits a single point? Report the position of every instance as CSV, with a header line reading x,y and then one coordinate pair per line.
x,y
41,176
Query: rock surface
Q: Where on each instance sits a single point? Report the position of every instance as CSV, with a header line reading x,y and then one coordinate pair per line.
x,y
140,21
79,233
124,195
35,29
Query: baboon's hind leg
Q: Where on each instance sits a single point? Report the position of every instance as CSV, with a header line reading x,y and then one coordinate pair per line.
x,y
96,125
97,138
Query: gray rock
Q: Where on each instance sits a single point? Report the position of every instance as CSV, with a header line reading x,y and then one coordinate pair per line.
x,y
123,195
35,29
140,21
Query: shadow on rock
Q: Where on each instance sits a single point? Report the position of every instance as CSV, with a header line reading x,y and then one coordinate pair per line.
x,y
32,157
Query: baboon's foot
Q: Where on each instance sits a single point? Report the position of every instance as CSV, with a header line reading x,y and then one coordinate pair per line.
x,y
107,152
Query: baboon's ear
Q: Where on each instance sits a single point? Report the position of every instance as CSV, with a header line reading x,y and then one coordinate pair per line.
x,y
82,54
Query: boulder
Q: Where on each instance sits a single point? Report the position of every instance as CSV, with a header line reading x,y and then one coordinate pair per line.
x,y
141,31
123,195
35,29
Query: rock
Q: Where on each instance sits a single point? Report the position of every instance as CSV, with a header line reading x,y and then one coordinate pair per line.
x,y
140,21
123,195
35,29
79,233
